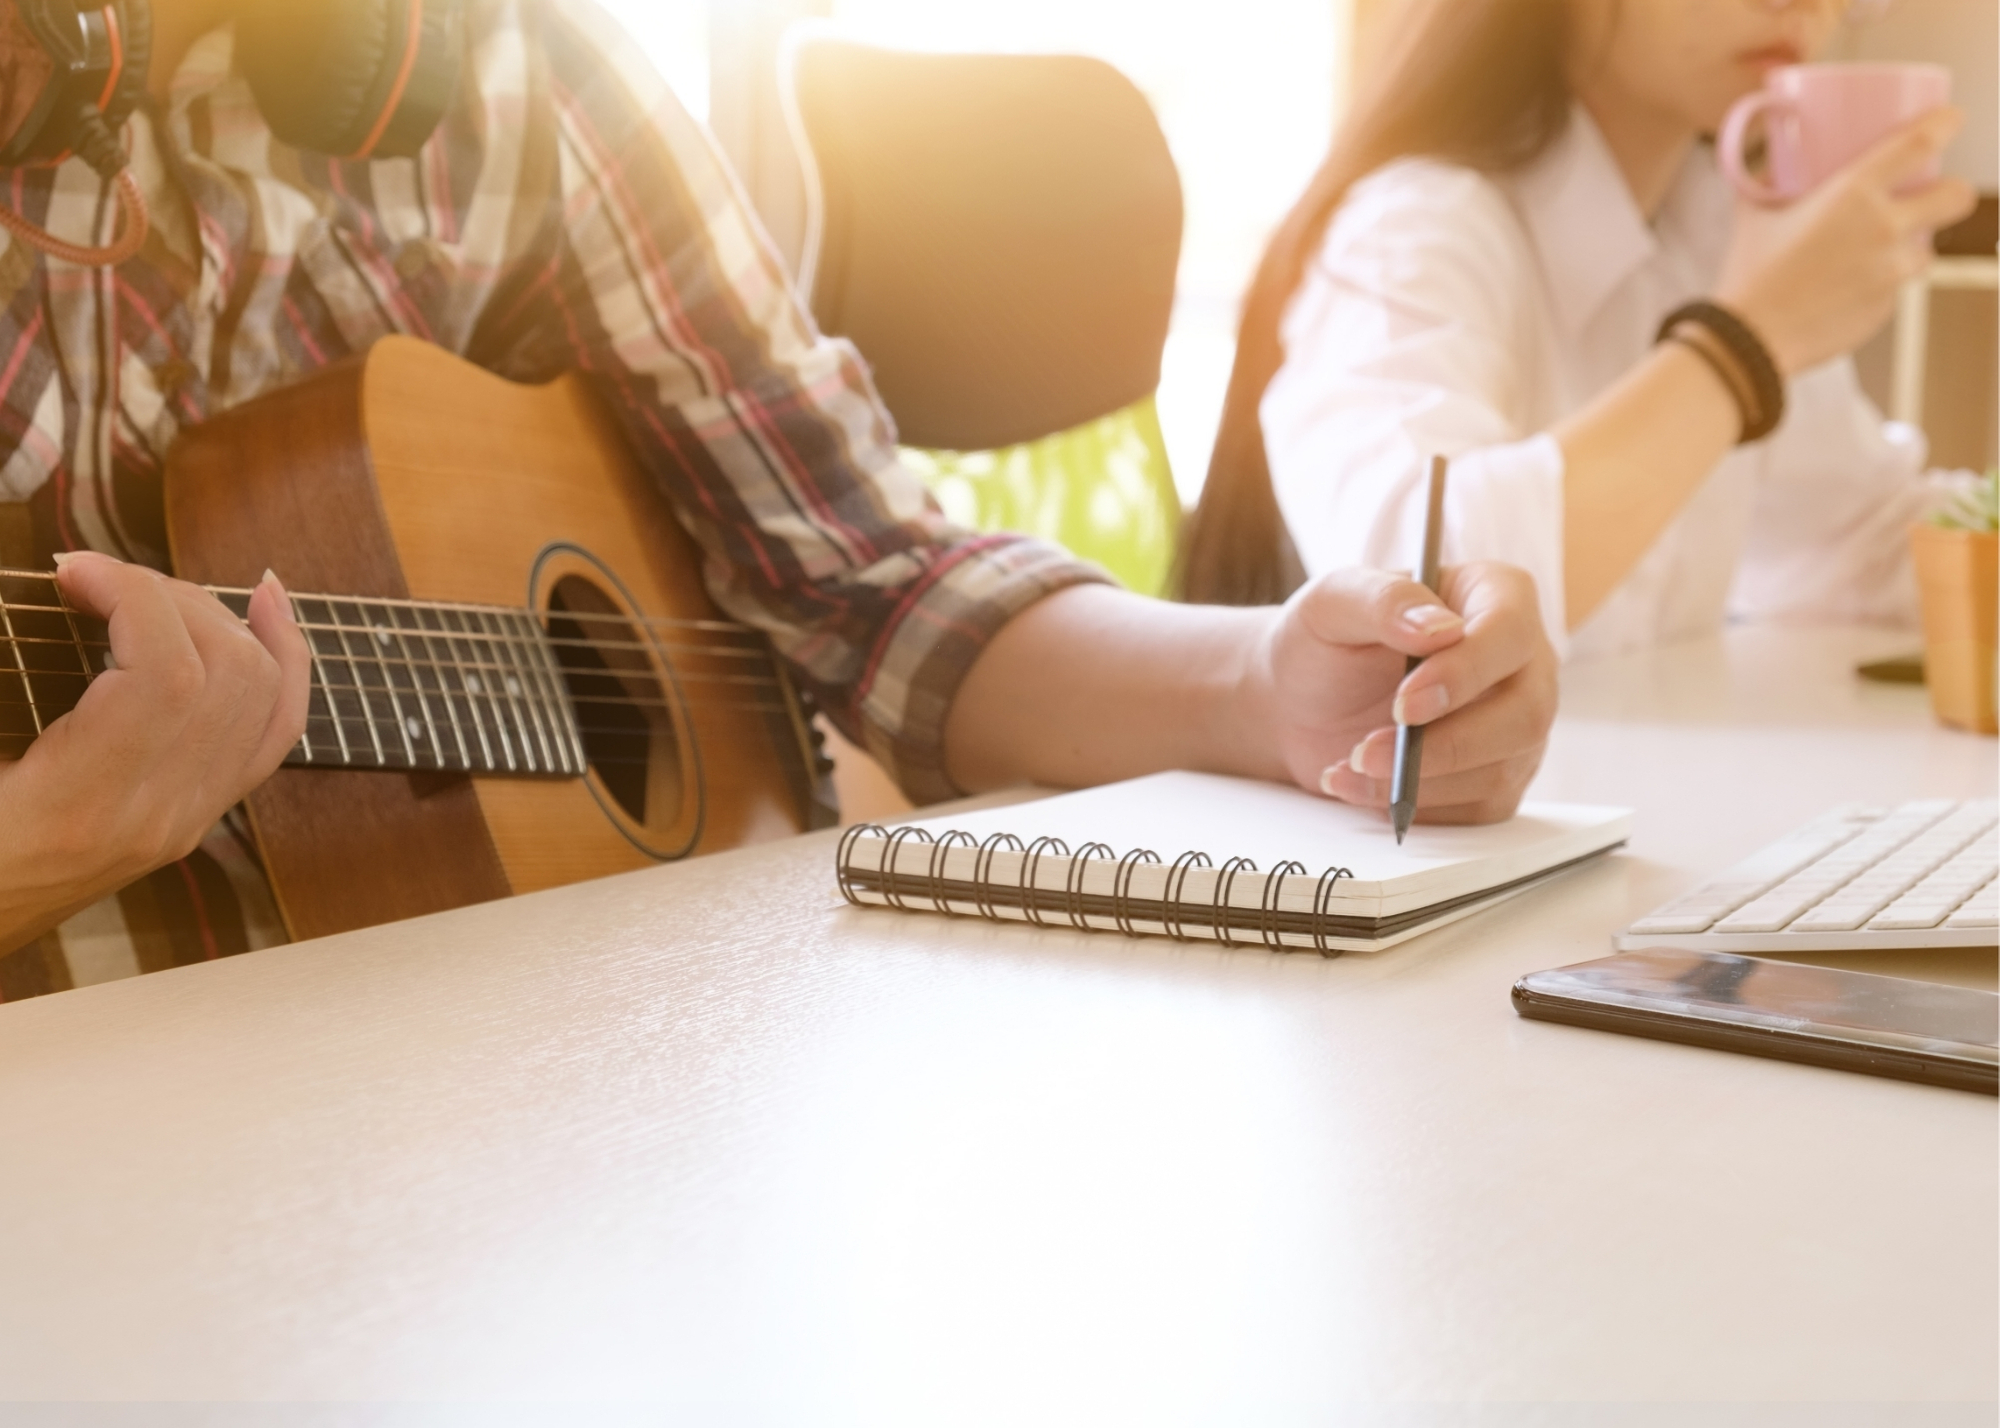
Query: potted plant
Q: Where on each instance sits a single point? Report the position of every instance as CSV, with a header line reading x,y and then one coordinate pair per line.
x,y
1957,554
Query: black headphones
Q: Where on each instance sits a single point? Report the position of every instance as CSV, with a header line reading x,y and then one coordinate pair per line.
x,y
351,79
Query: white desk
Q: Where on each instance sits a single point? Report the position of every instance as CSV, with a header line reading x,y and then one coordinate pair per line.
x,y
704,1134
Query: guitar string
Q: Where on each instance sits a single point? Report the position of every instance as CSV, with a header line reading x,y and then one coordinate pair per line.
x,y
731,627
727,681
502,653
323,716
324,711
584,706
330,711
497,642
417,607
498,646
757,651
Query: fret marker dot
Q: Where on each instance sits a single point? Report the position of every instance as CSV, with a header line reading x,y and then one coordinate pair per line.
x,y
381,637
472,684
416,729
513,685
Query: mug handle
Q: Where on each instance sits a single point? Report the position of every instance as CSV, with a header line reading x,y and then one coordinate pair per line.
x,y
1729,146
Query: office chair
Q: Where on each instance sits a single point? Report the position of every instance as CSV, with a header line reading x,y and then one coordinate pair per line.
x,y
998,234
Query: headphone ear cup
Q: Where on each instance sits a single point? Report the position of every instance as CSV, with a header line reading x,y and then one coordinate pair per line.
x,y
352,79
135,40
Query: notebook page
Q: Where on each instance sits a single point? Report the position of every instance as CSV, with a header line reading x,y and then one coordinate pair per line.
x,y
1173,813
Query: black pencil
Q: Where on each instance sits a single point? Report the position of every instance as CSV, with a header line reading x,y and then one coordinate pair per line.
x,y
1410,738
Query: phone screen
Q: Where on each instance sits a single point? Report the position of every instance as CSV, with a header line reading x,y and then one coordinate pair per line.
x,y
1887,1025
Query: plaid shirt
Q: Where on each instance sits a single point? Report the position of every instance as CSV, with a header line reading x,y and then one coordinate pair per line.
x,y
568,214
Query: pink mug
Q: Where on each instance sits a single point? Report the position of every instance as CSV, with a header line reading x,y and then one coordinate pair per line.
x,y
1820,117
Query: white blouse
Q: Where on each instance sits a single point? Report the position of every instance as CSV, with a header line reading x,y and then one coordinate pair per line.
x,y
1451,312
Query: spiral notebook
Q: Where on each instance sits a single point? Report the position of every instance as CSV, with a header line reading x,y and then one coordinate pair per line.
x,y
1202,856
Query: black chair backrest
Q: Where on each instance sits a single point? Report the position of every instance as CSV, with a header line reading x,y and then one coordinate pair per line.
x,y
996,233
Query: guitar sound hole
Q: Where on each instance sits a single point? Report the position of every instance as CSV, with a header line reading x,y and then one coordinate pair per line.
x,y
621,708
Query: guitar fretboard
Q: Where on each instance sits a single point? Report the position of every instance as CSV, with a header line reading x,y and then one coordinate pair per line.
x,y
403,684
396,684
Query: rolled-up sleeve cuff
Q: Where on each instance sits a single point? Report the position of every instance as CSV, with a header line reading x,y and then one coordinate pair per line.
x,y
927,649
1505,503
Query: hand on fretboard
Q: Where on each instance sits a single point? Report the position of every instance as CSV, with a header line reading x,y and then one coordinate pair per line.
x,y
48,654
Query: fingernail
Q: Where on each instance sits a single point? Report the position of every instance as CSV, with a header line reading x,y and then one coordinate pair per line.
x,y
277,587
1422,705
1429,619
1358,760
1327,777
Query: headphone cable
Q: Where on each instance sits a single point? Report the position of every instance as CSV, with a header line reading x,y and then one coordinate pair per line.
x,y
97,147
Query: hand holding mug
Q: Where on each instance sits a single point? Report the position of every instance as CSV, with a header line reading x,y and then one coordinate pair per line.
x,y
1819,118
1818,275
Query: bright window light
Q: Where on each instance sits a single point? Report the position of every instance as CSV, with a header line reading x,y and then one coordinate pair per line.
x,y
674,35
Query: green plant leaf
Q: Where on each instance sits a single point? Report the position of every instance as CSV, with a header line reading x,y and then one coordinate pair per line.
x,y
1976,508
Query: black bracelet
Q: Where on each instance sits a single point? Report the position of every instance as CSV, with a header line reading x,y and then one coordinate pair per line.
x,y
1724,367
1750,354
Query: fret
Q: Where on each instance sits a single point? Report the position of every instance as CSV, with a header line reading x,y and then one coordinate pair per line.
x,y
439,670
347,697
45,661
13,639
472,688
555,695
76,638
509,680
345,633
403,677
572,722
531,693
492,687
313,612
320,721
377,641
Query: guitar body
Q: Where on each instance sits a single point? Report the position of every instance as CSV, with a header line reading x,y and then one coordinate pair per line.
x,y
412,475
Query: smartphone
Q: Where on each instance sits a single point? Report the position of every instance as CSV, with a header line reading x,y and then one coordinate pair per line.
x,y
1855,1021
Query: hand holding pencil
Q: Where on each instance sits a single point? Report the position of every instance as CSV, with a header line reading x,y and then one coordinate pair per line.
x,y
1364,660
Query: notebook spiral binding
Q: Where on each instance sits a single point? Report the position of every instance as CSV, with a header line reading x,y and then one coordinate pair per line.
x,y
894,887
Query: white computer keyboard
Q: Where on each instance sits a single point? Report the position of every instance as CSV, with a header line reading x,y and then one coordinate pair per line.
x,y
1913,875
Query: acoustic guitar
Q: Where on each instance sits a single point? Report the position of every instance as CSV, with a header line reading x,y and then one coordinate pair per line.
x,y
518,680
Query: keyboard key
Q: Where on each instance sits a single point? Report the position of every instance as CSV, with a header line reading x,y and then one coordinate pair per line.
x,y
1911,868
1874,888
1937,896
1920,837
1982,909
1782,904
1697,911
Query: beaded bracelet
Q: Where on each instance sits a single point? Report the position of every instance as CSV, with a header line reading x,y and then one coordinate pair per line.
x,y
1756,385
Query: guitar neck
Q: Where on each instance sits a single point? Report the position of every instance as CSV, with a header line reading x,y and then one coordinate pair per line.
x,y
396,684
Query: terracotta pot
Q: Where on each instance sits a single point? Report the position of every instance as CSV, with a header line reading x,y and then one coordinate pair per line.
x,y
1958,573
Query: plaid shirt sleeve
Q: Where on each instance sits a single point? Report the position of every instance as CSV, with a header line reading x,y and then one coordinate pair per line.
x,y
766,435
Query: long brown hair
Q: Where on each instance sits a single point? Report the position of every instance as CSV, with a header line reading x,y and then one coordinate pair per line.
x,y
1483,83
